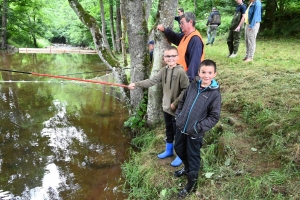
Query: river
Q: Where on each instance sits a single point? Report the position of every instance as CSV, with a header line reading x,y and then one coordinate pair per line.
x,y
60,139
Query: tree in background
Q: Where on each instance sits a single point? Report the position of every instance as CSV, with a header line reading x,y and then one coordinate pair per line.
x,y
137,31
165,16
103,52
4,23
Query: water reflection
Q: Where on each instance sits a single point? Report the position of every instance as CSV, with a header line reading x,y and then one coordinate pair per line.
x,y
59,139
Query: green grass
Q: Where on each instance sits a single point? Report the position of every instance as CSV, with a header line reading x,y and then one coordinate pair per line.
x,y
254,151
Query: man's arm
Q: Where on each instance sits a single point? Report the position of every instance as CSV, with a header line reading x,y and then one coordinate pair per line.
x,y
238,28
172,37
243,11
194,53
209,18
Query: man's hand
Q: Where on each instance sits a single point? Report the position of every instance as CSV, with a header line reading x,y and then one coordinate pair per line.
x,y
237,29
131,86
160,28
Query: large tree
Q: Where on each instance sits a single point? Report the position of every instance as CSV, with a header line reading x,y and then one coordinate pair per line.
x,y
103,52
137,31
4,24
165,16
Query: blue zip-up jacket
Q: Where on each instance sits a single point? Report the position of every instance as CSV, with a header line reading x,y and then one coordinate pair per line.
x,y
199,110
254,13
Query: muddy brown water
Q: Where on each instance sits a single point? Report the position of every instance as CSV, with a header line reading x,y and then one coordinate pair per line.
x,y
60,139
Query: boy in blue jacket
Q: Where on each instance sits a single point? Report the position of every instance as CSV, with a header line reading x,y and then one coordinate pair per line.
x,y
198,111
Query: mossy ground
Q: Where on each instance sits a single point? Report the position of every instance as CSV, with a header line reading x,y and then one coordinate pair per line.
x,y
254,150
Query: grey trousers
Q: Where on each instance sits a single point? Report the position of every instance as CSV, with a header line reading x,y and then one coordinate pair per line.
x,y
250,39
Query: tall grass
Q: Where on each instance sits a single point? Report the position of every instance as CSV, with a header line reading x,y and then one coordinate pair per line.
x,y
254,151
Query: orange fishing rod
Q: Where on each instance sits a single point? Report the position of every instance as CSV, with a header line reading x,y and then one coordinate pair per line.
x,y
67,78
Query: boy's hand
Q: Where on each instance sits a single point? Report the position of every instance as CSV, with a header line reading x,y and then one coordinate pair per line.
x,y
131,86
173,107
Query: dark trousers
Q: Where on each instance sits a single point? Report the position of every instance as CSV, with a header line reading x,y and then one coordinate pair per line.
x,y
170,127
233,41
188,150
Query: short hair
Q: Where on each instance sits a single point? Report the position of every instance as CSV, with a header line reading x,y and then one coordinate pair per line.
x,y
181,9
170,47
208,62
188,17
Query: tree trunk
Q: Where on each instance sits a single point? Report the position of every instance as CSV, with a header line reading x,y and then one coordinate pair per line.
x,y
269,17
104,37
4,24
137,40
123,38
118,26
166,10
103,52
112,30
148,8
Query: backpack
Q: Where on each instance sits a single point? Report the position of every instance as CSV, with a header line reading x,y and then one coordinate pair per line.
x,y
216,19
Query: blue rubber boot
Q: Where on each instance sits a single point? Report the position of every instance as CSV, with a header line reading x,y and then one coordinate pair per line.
x,y
176,162
168,152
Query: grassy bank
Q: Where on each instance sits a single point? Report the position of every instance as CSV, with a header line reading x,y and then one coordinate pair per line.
x,y
254,150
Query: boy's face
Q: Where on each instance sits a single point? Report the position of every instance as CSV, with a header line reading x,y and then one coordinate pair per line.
x,y
179,13
207,73
150,47
171,57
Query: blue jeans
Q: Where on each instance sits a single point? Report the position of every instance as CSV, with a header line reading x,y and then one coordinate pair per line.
x,y
211,33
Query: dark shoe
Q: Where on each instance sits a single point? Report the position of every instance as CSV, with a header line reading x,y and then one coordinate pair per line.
x,y
207,43
180,172
191,185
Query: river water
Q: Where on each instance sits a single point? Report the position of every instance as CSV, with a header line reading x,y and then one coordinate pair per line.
x,y
60,139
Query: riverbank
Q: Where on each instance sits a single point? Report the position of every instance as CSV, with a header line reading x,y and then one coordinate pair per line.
x,y
253,152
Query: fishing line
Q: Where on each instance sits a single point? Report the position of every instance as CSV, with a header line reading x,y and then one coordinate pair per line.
x,y
85,72
67,78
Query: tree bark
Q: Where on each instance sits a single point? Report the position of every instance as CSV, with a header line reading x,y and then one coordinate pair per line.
x,y
103,52
104,37
123,38
118,26
4,24
148,8
137,40
112,29
269,17
166,10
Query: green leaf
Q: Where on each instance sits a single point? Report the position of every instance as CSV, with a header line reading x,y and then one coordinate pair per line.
x,y
209,174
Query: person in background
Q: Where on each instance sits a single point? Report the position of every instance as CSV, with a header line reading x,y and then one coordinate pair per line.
x,y
151,49
198,111
174,82
180,12
252,20
234,35
214,20
190,44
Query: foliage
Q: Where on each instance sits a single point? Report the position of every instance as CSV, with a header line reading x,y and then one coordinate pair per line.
x,y
54,19
286,23
137,121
